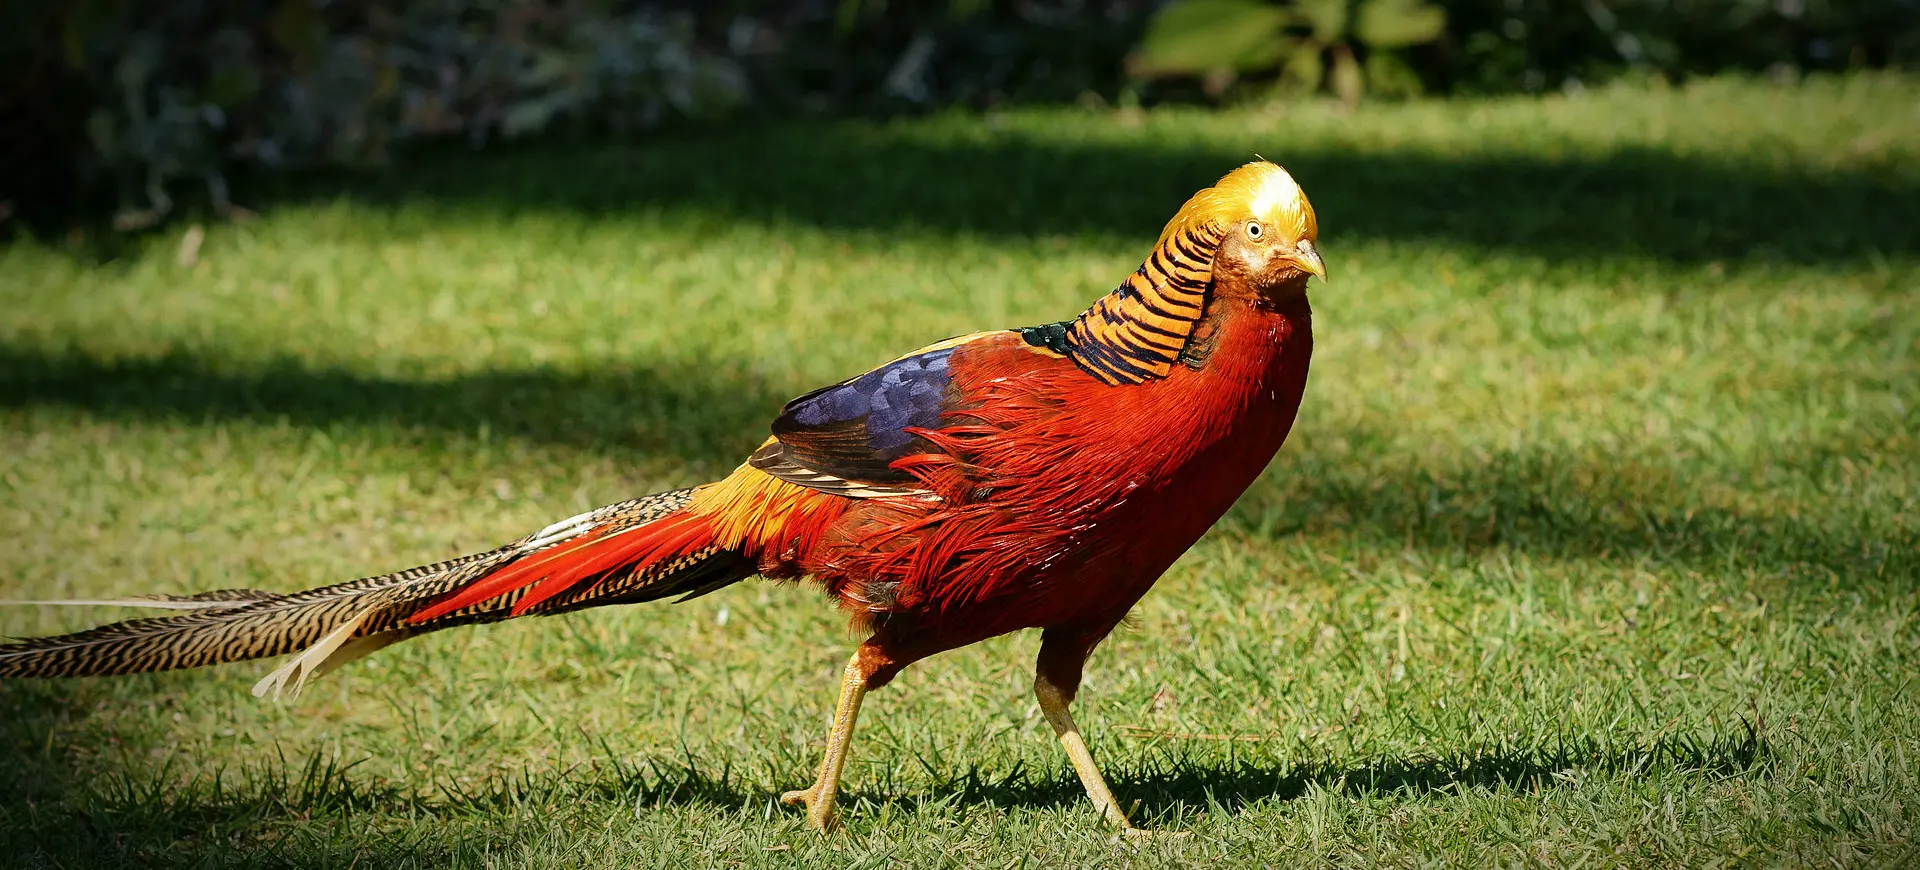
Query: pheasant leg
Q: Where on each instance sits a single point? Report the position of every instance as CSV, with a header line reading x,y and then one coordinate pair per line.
x,y
820,797
1053,704
1056,679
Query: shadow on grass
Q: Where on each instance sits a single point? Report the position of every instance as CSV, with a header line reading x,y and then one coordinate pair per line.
x,y
680,412
315,816
298,819
1569,507
1180,787
1632,202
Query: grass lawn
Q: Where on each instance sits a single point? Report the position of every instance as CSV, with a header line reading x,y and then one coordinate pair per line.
x,y
1597,543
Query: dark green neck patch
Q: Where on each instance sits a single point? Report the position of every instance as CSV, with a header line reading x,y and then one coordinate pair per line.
x,y
1052,336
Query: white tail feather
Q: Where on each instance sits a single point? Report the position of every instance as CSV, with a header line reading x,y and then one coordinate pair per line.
x,y
156,603
358,648
310,661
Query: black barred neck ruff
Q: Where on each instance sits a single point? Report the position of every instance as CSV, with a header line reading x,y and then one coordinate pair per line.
x,y
1138,331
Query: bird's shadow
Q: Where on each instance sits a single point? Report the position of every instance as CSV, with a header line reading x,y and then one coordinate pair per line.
x,y
142,818
1177,785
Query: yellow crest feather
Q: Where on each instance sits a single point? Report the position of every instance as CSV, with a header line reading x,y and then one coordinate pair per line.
x,y
1257,191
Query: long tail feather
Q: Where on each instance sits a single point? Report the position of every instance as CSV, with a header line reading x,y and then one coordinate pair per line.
x,y
215,600
637,550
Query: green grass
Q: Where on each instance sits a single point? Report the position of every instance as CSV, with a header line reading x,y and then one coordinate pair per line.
x,y
1596,543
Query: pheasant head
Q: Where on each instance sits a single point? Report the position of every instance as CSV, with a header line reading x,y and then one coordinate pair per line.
x,y
1251,236
1266,227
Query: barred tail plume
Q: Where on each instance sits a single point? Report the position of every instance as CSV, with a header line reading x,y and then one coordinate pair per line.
x,y
633,551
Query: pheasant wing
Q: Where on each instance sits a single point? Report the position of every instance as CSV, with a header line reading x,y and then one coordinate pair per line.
x,y
845,438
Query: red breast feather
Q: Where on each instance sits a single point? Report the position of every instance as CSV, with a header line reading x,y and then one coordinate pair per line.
x,y
1065,497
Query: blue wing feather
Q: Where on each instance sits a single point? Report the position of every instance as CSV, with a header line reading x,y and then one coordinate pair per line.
x,y
855,429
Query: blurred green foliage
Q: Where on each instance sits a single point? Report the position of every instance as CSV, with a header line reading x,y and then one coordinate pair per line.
x,y
125,105
1532,45
1349,46
184,91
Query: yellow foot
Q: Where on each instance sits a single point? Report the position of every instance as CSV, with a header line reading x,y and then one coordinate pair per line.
x,y
1132,834
820,814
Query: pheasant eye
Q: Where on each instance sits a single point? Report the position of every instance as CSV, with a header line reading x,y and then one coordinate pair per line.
x,y
1253,229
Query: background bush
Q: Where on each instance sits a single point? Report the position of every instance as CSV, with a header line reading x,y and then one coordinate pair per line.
x,y
121,106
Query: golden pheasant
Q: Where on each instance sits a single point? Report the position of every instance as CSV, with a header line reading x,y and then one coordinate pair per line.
x,y
1031,478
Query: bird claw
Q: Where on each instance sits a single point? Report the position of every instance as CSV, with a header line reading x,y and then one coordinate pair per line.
x,y
1132,834
821,816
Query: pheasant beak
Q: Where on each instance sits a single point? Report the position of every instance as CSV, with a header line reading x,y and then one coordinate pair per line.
x,y
1309,259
